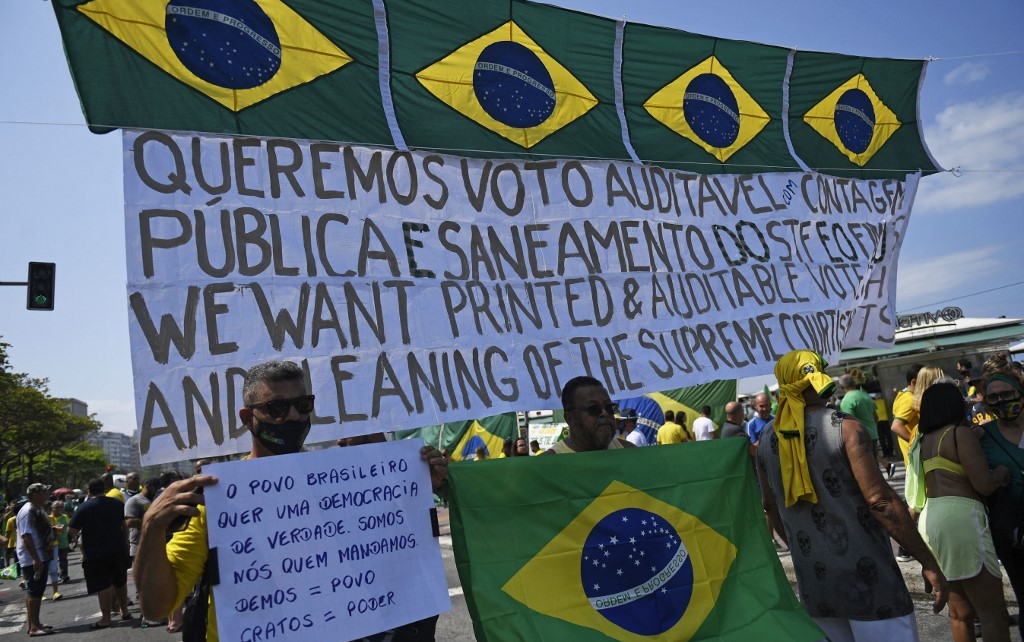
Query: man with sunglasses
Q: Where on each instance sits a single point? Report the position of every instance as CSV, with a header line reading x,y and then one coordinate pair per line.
x,y
591,416
276,412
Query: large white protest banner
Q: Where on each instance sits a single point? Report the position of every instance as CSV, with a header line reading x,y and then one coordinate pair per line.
x,y
417,288
339,540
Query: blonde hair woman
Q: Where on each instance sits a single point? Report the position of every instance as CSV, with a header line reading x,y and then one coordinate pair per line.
x,y
925,377
906,410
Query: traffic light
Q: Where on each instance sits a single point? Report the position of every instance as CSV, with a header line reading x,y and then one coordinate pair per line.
x,y
40,285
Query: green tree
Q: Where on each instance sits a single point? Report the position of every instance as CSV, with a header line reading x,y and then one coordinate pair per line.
x,y
32,425
72,466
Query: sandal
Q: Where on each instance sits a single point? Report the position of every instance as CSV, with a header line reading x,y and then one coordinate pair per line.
x,y
40,632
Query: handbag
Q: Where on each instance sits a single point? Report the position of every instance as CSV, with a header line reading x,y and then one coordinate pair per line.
x,y
196,605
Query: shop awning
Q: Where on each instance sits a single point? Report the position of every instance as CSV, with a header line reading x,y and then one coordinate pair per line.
x,y
934,344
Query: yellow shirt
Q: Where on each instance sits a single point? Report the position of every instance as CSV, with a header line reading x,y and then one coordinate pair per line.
x,y
116,494
671,433
12,532
903,409
880,410
187,552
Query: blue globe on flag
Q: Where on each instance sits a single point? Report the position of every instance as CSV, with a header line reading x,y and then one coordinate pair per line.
x,y
636,572
228,43
711,110
512,85
855,120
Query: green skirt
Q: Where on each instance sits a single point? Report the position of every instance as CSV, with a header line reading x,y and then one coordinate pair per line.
x,y
956,530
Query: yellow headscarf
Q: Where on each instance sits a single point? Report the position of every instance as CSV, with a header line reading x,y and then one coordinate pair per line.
x,y
795,372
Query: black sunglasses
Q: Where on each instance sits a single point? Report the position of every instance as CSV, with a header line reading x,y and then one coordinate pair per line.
x,y
278,408
1006,395
595,410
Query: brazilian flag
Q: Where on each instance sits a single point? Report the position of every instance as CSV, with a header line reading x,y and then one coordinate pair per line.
x,y
857,117
504,79
704,104
301,68
661,544
462,438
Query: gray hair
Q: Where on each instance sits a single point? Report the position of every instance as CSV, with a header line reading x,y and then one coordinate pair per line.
x,y
847,382
269,372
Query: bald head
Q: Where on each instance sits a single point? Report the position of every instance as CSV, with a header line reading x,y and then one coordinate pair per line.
x,y
763,406
734,412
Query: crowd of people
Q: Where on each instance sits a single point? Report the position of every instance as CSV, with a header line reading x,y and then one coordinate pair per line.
x,y
40,532
822,480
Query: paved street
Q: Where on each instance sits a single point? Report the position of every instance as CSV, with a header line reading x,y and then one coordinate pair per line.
x,y
73,614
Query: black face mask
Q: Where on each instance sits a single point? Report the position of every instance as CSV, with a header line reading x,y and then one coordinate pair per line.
x,y
282,439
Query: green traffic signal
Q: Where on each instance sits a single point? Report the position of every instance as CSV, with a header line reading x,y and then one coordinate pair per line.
x,y
40,285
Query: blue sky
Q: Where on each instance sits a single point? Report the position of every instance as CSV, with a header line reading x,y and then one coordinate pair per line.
x,y
62,197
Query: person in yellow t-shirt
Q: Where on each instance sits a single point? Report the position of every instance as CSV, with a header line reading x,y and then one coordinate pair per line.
x,y
112,491
277,414
906,411
60,523
11,532
671,432
904,417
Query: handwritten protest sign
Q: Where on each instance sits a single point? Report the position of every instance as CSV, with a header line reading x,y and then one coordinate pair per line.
x,y
315,543
417,288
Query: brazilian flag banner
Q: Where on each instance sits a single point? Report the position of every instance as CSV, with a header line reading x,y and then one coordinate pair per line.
x,y
509,78
704,104
857,117
295,69
662,544
490,78
462,438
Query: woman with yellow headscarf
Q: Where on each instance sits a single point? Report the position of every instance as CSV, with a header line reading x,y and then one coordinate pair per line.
x,y
796,372
819,478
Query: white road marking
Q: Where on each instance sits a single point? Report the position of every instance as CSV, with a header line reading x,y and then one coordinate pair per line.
x,y
13,612
452,592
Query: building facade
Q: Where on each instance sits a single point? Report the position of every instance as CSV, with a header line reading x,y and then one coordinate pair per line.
x,y
119,449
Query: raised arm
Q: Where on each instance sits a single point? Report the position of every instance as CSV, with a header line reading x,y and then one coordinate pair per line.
x,y
154,574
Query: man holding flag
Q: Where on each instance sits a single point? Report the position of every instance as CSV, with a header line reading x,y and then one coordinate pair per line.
x,y
818,470
590,414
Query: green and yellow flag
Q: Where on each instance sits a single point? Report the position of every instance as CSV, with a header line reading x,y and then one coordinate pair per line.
x,y
301,68
647,544
857,117
462,438
510,79
704,104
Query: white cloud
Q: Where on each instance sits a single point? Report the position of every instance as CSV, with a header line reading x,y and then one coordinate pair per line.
x,y
116,415
922,282
984,138
966,73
